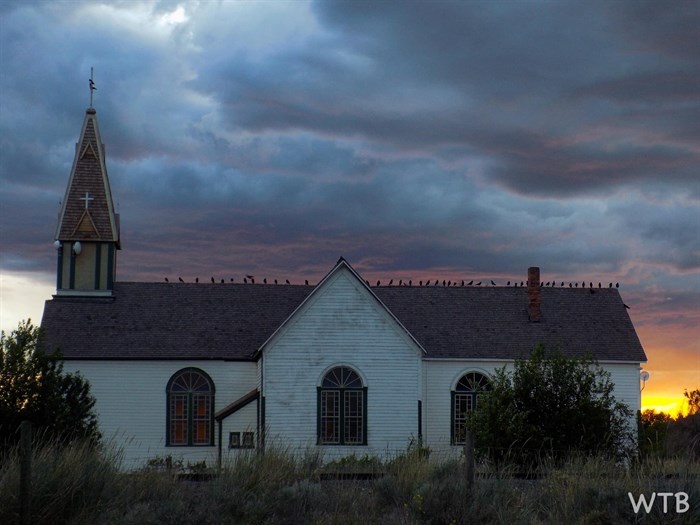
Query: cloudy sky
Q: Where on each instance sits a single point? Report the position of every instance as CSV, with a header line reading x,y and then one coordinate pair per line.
x,y
416,139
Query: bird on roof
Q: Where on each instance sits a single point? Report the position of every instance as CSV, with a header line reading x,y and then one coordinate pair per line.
x,y
264,280
196,279
223,281
600,285
378,283
180,279
569,285
231,279
470,282
508,283
410,283
617,285
212,280
623,304
610,285
391,281
166,280
306,282
400,282
449,283
562,283
275,281
251,277
287,281
245,280
521,283
420,283
436,282
479,283
492,283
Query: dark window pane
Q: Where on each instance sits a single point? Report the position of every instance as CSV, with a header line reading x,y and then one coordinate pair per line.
x,y
330,416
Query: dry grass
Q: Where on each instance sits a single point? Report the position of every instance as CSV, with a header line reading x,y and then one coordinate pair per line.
x,y
78,484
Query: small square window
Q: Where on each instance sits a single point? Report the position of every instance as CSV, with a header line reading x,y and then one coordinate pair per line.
x,y
248,440
234,440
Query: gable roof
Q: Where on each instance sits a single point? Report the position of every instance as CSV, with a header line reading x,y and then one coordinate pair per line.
x,y
151,321
342,265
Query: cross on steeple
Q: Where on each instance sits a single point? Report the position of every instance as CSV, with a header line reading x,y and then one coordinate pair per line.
x,y
90,269
87,199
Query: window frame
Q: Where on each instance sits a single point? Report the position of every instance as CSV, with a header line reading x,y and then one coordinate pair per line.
x,y
343,396
239,439
471,397
191,397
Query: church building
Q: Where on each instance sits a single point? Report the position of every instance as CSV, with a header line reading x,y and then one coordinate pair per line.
x,y
198,371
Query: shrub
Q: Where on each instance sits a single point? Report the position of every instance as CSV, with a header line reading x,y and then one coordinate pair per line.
x,y
549,407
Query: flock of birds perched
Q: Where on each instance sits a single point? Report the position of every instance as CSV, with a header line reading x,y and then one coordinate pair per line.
x,y
250,279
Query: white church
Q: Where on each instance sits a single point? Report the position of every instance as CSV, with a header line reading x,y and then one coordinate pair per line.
x,y
198,371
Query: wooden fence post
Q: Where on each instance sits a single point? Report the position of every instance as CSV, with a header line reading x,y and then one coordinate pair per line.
x,y
469,460
25,472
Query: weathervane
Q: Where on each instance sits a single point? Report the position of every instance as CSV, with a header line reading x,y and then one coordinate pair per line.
x,y
92,87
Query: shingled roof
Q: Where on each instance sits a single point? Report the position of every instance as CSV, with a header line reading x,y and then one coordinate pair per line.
x,y
87,213
231,321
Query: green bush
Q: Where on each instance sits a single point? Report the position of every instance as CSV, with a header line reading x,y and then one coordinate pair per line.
x,y
548,407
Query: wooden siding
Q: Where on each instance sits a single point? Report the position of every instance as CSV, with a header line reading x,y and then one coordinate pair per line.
x,y
131,404
342,324
245,420
440,379
85,267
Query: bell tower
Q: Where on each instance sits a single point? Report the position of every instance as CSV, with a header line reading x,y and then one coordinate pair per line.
x,y
87,236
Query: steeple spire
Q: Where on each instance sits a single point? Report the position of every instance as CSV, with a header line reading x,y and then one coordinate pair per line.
x,y
88,227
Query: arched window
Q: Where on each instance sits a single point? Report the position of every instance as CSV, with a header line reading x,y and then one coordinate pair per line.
x,y
342,408
465,398
190,416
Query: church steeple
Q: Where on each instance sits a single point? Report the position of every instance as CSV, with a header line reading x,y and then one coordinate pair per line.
x,y
87,235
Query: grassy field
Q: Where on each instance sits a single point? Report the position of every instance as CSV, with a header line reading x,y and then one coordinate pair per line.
x,y
77,484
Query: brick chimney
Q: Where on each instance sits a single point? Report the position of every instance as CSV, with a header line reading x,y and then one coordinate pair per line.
x,y
533,294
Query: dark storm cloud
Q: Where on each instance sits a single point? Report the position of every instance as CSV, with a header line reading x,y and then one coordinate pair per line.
x,y
504,84
430,134
440,140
